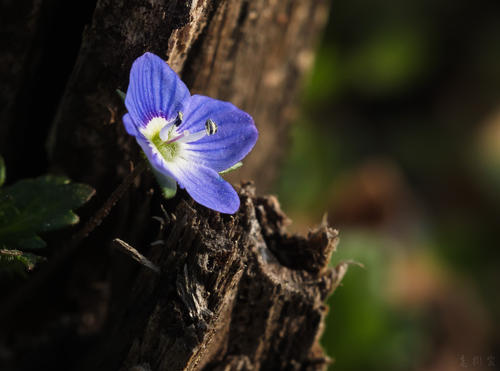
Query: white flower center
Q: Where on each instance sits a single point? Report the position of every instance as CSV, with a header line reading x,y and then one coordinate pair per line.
x,y
165,139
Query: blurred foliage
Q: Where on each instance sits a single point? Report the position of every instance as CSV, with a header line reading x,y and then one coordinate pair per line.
x,y
30,207
365,331
2,171
398,139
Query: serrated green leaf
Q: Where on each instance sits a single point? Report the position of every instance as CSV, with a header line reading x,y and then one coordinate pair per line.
x,y
2,171
232,168
16,262
43,204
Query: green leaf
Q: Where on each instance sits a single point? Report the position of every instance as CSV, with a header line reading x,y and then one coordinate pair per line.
x,y
2,171
232,168
43,204
167,184
121,94
17,262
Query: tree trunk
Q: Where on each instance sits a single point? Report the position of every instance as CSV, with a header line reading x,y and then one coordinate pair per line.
x,y
232,292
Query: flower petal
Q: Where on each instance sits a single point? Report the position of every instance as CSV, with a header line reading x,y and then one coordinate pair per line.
x,y
206,186
129,125
154,90
154,157
235,137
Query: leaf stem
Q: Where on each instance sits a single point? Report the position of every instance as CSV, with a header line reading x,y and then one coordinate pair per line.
x,y
105,209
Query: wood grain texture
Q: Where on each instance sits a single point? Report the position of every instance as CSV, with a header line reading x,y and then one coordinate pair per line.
x,y
226,298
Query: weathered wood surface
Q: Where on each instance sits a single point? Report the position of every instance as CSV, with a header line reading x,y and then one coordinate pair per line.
x,y
231,295
235,292
226,293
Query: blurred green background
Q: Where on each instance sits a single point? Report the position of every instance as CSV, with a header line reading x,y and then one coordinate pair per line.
x,y
398,139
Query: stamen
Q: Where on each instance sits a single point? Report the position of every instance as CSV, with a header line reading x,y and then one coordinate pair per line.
x,y
210,127
185,133
188,138
165,131
178,119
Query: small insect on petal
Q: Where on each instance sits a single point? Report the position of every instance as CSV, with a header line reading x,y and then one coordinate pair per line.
x,y
210,127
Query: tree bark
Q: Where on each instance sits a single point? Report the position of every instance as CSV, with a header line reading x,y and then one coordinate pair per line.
x,y
233,292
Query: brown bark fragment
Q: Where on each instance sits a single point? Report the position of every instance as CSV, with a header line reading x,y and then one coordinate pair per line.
x,y
223,300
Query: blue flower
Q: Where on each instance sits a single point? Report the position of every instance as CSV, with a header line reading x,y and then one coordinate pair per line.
x,y
186,138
